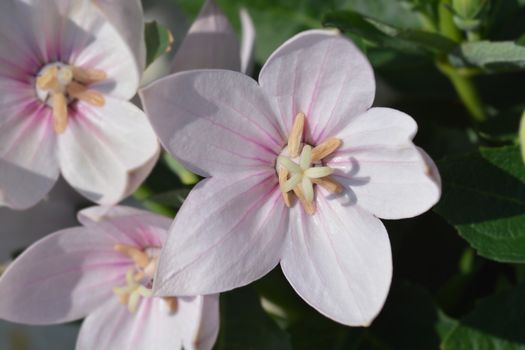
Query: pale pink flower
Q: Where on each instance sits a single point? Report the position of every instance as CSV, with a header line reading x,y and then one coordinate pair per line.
x,y
315,91
66,75
103,271
211,42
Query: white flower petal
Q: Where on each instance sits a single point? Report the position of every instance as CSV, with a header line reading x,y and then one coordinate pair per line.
x,y
322,74
103,147
62,277
228,233
90,40
210,43
339,261
28,161
214,121
127,16
112,326
388,175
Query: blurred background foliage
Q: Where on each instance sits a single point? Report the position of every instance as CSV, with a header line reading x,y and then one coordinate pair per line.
x,y
457,67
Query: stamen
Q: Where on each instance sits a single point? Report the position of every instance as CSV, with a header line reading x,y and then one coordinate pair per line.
x,y
301,177
59,102
138,256
88,75
131,293
48,81
309,207
58,84
325,149
82,93
283,176
328,184
139,276
173,304
296,135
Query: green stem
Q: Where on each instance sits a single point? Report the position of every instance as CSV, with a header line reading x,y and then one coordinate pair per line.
x,y
143,193
447,26
473,35
463,85
465,89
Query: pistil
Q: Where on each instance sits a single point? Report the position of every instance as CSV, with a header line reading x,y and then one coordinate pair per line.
x,y
62,83
300,178
139,279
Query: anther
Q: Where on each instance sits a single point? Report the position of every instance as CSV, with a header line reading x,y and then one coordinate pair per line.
x,y
59,102
48,81
283,176
328,184
296,135
325,149
138,256
309,206
88,75
173,304
82,93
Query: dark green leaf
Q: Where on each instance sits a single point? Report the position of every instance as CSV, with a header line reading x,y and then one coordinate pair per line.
x,y
321,333
383,35
245,325
172,199
158,41
497,323
484,198
410,320
504,127
491,56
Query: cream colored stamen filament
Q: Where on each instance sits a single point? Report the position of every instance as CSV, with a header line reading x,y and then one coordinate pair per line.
x,y
88,76
68,82
296,135
302,176
143,272
140,258
131,293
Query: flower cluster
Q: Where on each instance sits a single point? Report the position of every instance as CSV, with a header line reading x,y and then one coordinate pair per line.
x,y
299,168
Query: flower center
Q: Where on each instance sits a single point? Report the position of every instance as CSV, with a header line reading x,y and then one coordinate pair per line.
x,y
300,167
59,84
139,278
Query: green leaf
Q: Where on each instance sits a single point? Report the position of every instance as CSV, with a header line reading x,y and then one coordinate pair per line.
x,y
172,199
158,41
491,56
484,198
409,320
245,325
504,126
497,323
383,35
322,333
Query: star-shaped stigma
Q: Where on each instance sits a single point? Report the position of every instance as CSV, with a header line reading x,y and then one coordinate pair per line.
x,y
300,167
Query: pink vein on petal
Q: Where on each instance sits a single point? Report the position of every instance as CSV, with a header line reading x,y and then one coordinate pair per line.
x,y
224,237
